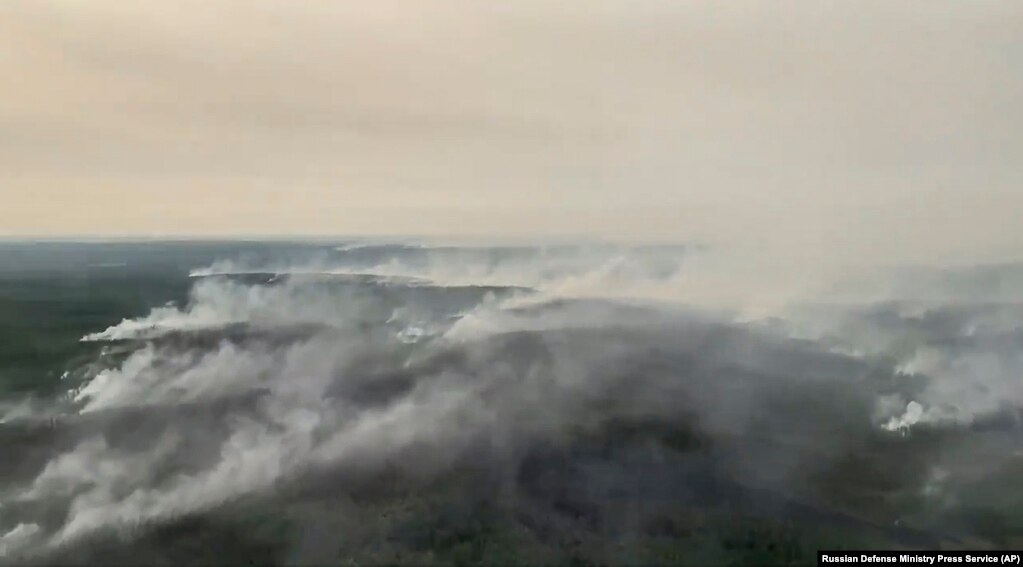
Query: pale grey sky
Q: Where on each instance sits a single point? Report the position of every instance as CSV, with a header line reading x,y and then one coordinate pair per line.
x,y
873,128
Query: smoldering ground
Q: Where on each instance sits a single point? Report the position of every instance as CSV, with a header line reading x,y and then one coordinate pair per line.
x,y
301,418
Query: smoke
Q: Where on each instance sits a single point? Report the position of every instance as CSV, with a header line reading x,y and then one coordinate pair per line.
x,y
417,361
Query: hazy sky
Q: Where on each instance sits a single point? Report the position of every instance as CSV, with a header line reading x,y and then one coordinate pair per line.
x,y
889,128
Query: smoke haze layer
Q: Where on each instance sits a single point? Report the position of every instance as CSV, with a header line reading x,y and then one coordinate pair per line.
x,y
418,403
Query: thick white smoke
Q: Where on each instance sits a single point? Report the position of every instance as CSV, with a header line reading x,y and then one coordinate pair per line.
x,y
253,384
